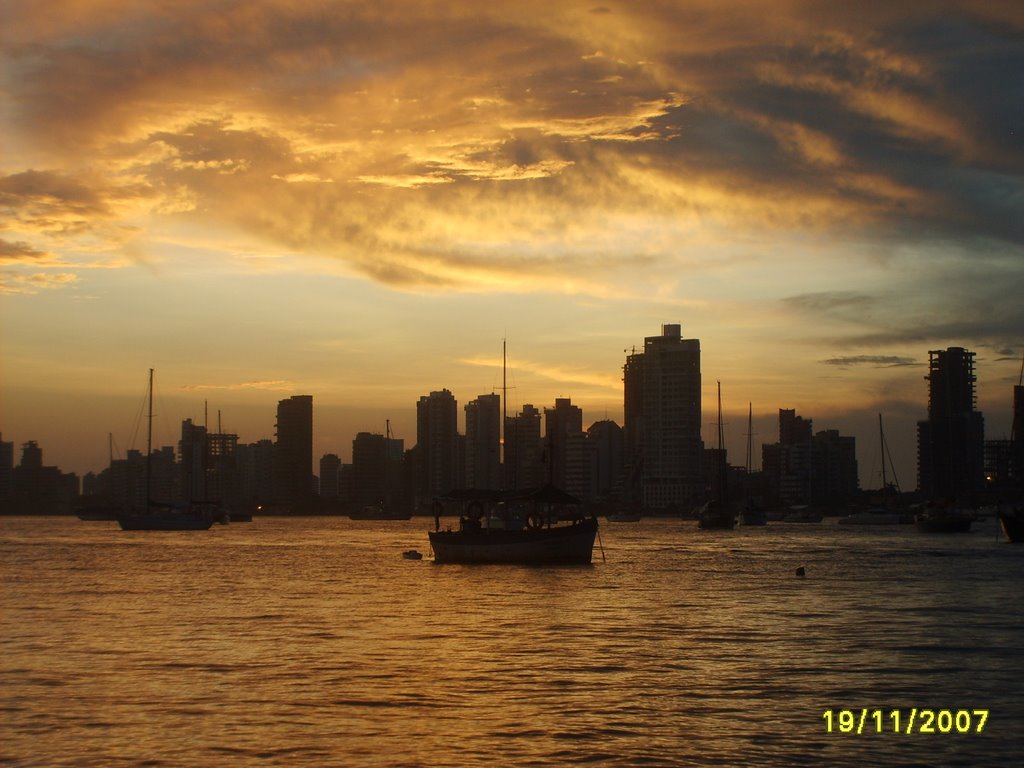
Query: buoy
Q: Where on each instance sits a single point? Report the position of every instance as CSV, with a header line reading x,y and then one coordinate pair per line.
x,y
412,554
800,571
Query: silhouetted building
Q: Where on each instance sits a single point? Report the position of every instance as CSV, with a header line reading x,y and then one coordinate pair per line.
x,y
293,453
192,453
951,443
524,450
255,466
483,442
6,477
330,476
369,470
806,468
565,448
37,489
662,399
437,444
606,445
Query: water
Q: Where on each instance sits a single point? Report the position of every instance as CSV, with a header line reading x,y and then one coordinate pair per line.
x,y
311,642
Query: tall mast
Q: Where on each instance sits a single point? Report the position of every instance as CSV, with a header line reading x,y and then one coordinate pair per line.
x,y
504,409
721,449
750,436
881,439
149,440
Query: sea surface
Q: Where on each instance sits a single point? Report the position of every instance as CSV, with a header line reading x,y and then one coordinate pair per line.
x,y
312,642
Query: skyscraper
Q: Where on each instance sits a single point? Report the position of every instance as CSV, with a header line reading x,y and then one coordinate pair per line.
x,y
565,448
293,453
662,401
951,442
523,468
483,442
437,446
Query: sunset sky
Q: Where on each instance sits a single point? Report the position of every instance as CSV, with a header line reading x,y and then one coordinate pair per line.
x,y
360,200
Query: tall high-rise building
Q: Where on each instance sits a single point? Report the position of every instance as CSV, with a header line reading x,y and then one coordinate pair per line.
x,y
951,442
662,399
330,476
524,450
565,448
483,442
605,438
437,446
293,453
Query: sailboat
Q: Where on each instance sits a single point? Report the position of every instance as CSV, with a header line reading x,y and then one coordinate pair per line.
x,y
717,514
751,514
537,526
163,517
887,513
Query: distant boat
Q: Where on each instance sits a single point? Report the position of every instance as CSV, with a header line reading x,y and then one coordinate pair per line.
x,y
1011,520
801,513
751,514
164,517
939,519
377,512
520,528
624,517
877,516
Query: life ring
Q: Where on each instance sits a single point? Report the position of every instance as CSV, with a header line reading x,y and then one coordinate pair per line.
x,y
535,520
475,510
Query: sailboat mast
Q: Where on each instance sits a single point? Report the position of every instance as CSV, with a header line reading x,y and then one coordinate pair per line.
x,y
149,440
750,436
881,439
504,406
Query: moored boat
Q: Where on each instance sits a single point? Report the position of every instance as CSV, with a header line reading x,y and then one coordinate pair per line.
x,y
519,528
1011,520
166,517
940,519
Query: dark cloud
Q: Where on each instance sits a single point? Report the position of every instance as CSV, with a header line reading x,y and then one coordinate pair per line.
x,y
877,361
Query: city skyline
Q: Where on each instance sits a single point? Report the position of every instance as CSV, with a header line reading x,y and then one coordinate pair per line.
x,y
360,203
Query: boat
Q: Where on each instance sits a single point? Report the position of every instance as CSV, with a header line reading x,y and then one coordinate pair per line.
x,y
517,527
624,517
1011,520
801,513
717,514
752,514
935,518
164,517
377,512
877,516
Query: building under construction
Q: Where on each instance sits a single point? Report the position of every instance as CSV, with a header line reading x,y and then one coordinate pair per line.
x,y
951,442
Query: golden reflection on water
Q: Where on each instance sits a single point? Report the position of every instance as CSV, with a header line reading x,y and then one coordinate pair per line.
x,y
311,642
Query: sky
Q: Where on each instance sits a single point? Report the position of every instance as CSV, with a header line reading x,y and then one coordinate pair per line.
x,y
361,201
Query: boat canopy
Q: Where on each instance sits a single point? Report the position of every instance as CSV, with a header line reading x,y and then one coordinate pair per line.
x,y
548,494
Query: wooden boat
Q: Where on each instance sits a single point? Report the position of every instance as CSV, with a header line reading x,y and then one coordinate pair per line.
x,y
520,528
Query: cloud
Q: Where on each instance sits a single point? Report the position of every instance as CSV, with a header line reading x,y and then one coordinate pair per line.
x,y
278,385
469,148
877,361
14,283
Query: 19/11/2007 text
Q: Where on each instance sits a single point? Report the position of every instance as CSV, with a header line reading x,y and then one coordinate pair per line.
x,y
942,721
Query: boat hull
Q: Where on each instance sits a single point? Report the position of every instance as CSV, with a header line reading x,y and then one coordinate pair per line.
x,y
174,521
944,524
561,545
1012,524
